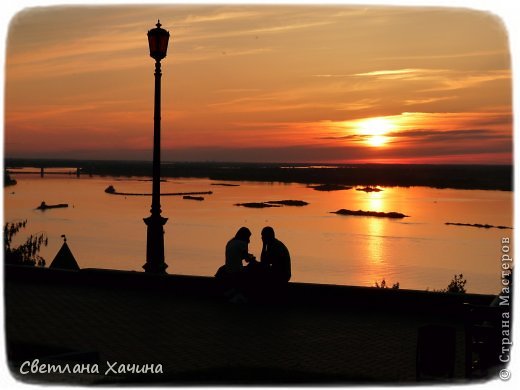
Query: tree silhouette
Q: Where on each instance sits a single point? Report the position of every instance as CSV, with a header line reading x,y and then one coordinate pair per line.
x,y
457,284
26,253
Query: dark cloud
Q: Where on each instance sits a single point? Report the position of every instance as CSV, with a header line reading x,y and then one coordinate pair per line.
x,y
305,154
350,136
500,120
450,135
408,145
316,153
327,153
432,135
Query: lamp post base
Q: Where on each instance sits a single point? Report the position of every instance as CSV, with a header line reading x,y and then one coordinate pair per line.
x,y
155,244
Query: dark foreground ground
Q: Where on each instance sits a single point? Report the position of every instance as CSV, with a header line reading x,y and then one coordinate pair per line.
x,y
483,177
317,334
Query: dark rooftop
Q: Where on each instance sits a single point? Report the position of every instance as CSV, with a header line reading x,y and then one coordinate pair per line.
x,y
64,259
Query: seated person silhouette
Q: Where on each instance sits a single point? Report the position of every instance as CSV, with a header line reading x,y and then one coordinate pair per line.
x,y
235,276
275,258
237,249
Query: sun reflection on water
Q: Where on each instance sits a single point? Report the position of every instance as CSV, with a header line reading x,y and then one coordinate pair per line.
x,y
375,243
375,201
375,231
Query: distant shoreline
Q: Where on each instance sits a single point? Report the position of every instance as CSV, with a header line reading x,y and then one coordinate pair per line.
x,y
475,177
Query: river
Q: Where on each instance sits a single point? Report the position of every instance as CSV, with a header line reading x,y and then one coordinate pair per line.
x,y
420,251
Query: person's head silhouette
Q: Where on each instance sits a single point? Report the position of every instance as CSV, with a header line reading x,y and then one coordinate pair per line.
x,y
243,234
267,234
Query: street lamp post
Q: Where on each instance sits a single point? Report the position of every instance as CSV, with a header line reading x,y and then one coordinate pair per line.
x,y
158,42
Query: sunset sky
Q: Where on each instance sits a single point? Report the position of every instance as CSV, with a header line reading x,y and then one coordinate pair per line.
x,y
261,83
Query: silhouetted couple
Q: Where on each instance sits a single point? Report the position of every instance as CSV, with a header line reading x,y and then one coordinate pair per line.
x,y
264,278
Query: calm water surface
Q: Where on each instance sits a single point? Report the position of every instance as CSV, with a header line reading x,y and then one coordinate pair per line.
x,y
419,252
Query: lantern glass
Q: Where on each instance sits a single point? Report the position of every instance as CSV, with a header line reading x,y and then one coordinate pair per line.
x,y
158,42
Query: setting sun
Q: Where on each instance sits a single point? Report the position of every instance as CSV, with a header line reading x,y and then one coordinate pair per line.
x,y
374,130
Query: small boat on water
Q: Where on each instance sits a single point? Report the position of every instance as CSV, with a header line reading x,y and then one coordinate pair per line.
x,y
193,197
110,190
45,206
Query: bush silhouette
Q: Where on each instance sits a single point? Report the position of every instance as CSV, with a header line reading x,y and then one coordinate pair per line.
x,y
395,286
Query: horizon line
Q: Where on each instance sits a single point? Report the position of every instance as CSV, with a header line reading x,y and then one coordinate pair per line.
x,y
251,162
